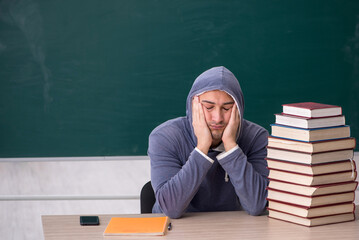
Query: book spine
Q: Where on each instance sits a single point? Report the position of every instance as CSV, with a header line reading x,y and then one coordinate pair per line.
x,y
308,217
311,164
312,154
306,129
317,196
308,225
315,142
306,207
312,175
315,186
306,118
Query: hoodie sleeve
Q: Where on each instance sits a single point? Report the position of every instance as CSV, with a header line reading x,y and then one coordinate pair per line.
x,y
175,180
248,173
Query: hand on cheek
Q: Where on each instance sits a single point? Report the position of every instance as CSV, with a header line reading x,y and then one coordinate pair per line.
x,y
230,132
201,130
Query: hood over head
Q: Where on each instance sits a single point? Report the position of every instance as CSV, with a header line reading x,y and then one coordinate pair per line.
x,y
217,78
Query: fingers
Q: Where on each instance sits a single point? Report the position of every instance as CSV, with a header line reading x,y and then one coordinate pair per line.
x,y
233,120
234,114
200,112
230,132
194,108
236,119
197,111
201,130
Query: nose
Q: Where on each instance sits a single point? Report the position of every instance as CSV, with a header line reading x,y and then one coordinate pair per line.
x,y
217,116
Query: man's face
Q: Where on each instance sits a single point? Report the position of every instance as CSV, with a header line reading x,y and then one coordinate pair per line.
x,y
217,108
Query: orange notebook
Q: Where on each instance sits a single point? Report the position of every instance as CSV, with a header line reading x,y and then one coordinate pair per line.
x,y
137,226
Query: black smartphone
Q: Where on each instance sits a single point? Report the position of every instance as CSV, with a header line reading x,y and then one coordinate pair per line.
x,y
89,220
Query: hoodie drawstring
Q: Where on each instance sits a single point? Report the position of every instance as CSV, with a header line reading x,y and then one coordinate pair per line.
x,y
226,177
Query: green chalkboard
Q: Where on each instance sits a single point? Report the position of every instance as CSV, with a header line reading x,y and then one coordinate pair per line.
x,y
93,78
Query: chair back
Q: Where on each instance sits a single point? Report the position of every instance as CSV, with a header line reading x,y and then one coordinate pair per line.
x,y
147,198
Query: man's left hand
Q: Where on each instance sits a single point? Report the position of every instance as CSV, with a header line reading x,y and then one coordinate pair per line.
x,y
230,132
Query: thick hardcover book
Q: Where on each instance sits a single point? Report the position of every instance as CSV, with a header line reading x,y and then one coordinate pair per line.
x,y
312,169
317,190
311,222
309,123
310,135
309,158
312,109
310,201
312,180
308,212
311,147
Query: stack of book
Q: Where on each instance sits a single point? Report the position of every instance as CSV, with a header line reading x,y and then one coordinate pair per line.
x,y
311,169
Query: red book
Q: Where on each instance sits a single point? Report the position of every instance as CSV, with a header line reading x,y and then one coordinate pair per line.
x,y
313,190
312,180
312,169
310,201
312,109
309,158
310,212
311,222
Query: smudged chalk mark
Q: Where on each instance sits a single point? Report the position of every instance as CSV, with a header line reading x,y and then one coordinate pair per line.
x,y
25,14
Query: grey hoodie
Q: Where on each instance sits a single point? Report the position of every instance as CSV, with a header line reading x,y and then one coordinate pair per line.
x,y
184,180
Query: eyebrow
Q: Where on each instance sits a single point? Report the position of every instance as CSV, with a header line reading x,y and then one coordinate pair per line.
x,y
226,103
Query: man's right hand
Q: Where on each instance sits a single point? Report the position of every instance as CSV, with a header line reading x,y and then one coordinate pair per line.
x,y
201,130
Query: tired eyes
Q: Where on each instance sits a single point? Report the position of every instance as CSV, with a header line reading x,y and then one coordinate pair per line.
x,y
212,107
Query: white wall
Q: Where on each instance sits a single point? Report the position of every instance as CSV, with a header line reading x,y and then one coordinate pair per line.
x,y
34,187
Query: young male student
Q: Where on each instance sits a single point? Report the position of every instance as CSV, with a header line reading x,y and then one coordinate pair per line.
x,y
212,159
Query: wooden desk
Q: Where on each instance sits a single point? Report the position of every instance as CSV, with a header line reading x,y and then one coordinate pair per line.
x,y
213,225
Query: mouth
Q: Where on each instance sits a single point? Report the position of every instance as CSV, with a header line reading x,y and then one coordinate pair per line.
x,y
216,127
